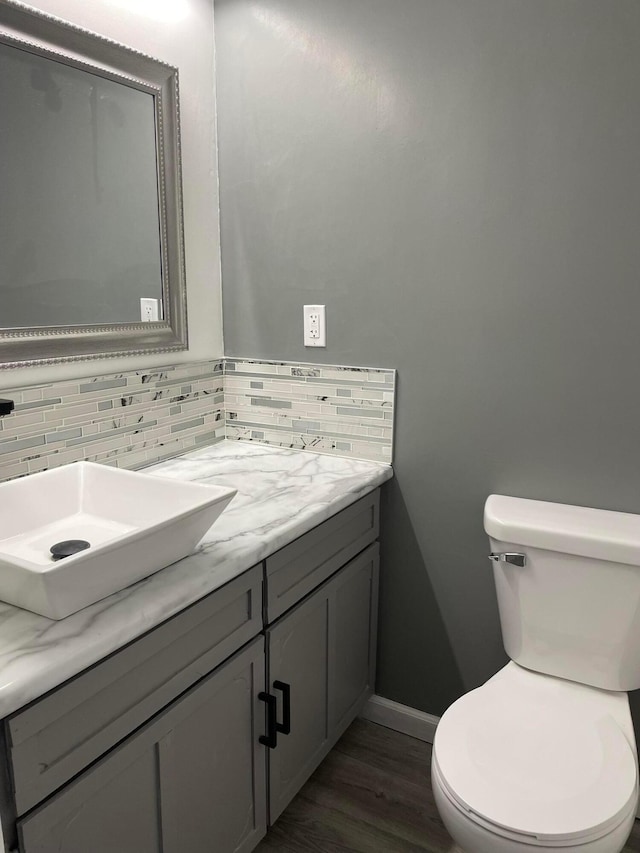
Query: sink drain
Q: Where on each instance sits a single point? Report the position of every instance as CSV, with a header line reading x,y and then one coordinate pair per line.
x,y
68,548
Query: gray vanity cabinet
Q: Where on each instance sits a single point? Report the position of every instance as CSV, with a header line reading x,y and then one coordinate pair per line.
x,y
180,741
322,654
192,779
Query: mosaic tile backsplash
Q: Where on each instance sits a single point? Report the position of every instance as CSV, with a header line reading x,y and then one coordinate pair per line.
x,y
347,411
133,419
127,419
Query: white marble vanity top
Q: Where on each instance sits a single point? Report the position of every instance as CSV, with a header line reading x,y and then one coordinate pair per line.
x,y
281,495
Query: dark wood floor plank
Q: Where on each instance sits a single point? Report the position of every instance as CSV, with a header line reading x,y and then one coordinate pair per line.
x,y
319,829
387,750
633,844
372,794
395,805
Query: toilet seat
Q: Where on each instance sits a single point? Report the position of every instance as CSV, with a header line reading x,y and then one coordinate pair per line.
x,y
539,759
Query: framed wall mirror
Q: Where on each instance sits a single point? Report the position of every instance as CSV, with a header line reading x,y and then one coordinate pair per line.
x,y
91,234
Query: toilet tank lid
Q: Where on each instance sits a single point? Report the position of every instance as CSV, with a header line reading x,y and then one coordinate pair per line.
x,y
596,533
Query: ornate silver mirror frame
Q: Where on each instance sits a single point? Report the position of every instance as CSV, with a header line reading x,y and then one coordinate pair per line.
x,y
49,37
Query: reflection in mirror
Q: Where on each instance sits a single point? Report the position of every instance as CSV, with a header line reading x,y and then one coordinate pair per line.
x,y
90,213
77,144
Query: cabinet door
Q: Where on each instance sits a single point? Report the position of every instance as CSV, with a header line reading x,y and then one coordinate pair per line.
x,y
324,649
191,779
352,640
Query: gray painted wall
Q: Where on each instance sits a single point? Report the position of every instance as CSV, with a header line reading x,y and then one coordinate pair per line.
x,y
457,180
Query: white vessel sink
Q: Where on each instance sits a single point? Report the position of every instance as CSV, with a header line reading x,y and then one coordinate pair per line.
x,y
135,524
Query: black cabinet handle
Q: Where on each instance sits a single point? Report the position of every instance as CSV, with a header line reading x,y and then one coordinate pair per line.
x,y
270,740
285,725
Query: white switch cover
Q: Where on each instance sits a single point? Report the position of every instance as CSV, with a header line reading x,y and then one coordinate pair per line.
x,y
315,327
149,310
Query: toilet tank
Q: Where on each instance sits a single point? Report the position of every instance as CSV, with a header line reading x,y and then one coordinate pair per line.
x,y
573,610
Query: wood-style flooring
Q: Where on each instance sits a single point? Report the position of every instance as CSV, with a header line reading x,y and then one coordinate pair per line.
x,y
372,794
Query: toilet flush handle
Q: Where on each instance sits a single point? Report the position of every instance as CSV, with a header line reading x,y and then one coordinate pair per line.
x,y
514,559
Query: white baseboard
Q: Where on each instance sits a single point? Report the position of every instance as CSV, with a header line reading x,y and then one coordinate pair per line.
x,y
400,718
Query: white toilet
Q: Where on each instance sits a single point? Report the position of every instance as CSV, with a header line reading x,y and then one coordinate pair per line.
x,y
543,755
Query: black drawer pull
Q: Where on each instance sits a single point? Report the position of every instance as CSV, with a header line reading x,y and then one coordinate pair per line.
x,y
285,725
270,740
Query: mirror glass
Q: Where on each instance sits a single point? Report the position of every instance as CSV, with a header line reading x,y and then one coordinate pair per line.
x,y
79,231
90,196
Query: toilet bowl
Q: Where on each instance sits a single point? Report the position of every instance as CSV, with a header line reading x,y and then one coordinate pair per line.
x,y
543,755
530,760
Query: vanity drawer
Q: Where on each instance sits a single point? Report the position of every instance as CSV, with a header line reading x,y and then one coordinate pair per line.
x,y
59,735
300,567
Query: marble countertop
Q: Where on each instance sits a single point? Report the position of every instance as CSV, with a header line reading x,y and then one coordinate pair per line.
x,y
281,495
